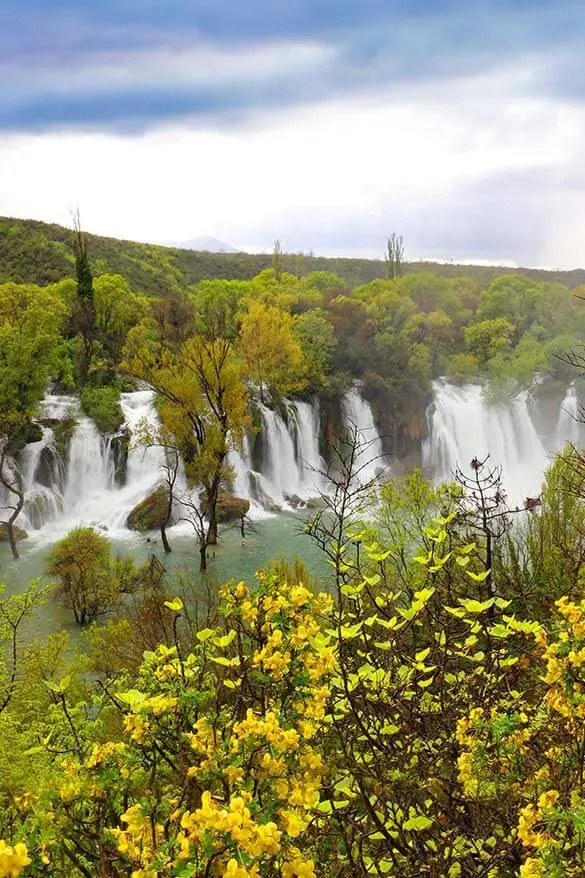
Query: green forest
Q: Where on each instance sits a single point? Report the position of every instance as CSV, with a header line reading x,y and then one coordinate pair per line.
x,y
418,713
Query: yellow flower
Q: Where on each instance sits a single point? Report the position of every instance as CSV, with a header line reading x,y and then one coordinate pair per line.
x,y
548,800
241,591
294,823
13,859
299,868
532,868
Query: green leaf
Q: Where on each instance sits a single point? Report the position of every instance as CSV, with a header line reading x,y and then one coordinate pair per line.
x,y
225,640
206,634
476,607
417,824
478,577
226,662
132,697
232,684
176,605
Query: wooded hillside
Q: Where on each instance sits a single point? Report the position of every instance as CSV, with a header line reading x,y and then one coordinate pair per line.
x,y
40,253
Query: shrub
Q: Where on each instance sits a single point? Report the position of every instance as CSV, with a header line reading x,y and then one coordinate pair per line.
x,y
102,405
90,580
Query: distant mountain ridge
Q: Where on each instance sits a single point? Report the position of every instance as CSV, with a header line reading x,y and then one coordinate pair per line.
x,y
36,252
206,244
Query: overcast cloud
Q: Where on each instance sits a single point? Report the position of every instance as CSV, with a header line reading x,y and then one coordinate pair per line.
x,y
325,124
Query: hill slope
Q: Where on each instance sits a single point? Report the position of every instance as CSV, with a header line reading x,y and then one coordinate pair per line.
x,y
37,252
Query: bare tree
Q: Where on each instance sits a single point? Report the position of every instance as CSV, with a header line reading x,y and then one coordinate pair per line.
x,y
345,498
277,259
394,256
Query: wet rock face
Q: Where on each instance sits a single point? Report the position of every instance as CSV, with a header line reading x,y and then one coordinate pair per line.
x,y
49,471
152,512
19,533
120,445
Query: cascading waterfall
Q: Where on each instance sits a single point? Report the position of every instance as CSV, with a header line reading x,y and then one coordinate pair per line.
x,y
291,465
463,425
43,478
84,488
358,416
569,427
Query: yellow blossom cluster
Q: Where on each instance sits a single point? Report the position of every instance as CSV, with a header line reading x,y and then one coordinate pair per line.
x,y
234,819
532,868
138,841
565,658
13,859
102,752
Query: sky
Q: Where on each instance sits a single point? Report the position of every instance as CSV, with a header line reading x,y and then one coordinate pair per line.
x,y
459,124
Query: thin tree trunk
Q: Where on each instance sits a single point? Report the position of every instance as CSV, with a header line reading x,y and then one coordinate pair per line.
x,y
14,487
163,536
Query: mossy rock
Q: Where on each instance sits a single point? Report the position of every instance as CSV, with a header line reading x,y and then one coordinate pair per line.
x,y
150,513
19,533
316,503
228,507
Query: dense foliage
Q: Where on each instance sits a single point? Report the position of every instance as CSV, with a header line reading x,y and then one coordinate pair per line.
x,y
208,348
418,720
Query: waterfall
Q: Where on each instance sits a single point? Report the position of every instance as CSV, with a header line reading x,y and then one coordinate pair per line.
x,y
358,416
305,418
569,427
291,468
43,478
462,425
291,449
82,489
85,489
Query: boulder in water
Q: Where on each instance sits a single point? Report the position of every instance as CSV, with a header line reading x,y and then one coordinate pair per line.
x,y
19,533
316,503
294,500
228,507
152,512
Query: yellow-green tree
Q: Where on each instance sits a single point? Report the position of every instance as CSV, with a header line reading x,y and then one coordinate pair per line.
x,y
272,353
30,324
203,407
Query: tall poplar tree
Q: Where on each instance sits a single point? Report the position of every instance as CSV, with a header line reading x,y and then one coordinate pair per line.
x,y
84,311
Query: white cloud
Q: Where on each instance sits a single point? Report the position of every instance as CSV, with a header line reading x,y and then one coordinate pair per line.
x,y
408,153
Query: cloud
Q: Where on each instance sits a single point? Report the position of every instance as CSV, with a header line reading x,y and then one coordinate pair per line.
x,y
466,169
131,66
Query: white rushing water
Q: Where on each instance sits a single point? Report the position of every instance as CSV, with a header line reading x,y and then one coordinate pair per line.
x,y
281,467
358,416
291,466
83,490
569,426
463,425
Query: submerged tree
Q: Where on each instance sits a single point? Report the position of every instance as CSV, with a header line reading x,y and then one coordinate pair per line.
x,y
90,580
